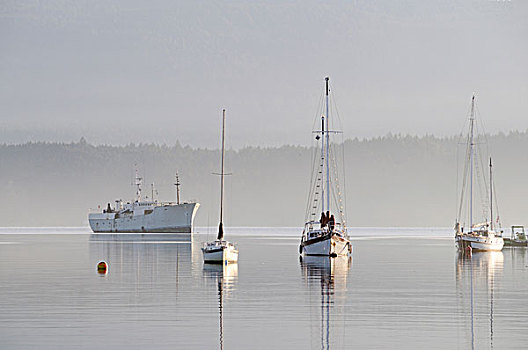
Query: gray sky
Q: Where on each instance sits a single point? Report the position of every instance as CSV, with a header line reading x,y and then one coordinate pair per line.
x,y
160,71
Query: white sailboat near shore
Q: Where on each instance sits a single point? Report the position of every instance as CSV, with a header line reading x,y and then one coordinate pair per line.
x,y
220,251
322,234
480,236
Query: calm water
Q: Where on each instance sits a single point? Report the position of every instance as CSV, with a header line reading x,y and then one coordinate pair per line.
x,y
403,288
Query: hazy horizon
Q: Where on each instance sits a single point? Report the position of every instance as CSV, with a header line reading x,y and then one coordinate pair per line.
x,y
307,144
127,71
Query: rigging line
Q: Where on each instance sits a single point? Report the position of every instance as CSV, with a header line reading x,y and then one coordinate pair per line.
x,y
344,180
318,112
310,193
496,206
457,219
466,125
338,198
465,177
466,121
339,127
313,205
482,129
314,187
334,108
483,183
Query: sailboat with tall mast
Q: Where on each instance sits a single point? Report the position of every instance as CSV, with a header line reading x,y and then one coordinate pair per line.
x,y
220,250
325,235
480,236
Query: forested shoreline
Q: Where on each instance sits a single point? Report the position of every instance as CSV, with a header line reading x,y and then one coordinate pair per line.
x,y
390,181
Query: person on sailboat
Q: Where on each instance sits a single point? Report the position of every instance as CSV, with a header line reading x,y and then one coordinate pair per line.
x,y
331,223
323,220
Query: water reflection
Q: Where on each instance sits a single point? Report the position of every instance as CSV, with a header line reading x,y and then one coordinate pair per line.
x,y
476,277
517,258
145,265
328,277
225,277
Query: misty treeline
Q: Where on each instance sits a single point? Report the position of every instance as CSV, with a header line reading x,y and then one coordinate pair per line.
x,y
390,181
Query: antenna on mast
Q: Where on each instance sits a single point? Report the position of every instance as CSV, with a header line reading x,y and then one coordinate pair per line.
x,y
138,183
153,191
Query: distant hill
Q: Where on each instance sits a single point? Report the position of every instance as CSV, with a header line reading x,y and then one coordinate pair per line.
x,y
390,181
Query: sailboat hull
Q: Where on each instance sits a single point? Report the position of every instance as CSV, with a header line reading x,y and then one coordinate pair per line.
x,y
479,243
221,255
330,245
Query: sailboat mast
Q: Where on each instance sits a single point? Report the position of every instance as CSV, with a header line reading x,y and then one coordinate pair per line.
x,y
327,149
491,197
322,163
220,226
471,144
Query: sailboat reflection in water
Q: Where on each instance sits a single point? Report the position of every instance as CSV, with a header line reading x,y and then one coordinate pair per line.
x,y
476,276
225,277
328,277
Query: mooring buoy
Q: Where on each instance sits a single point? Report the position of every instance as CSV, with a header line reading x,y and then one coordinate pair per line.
x,y
102,268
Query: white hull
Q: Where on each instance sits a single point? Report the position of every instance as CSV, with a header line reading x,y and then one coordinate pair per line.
x,y
330,246
479,243
141,237
227,254
167,218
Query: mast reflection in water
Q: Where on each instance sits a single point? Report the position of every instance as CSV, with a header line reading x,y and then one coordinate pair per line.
x,y
327,276
476,281
225,277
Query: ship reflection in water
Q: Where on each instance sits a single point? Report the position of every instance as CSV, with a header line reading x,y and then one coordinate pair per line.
x,y
224,276
150,266
477,277
326,278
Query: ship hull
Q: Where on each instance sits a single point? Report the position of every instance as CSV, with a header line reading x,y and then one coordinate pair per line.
x,y
163,219
508,242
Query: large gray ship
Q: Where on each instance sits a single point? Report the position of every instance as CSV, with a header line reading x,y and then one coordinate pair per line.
x,y
145,217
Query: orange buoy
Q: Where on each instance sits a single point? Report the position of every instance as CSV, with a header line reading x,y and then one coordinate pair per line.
x,y
102,268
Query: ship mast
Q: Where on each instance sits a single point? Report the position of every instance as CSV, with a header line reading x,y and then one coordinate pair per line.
x,y
220,226
138,187
177,184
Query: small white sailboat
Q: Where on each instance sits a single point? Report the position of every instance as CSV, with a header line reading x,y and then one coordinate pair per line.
x,y
323,235
220,251
479,236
